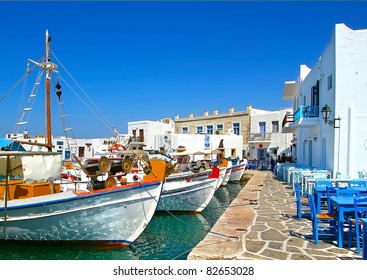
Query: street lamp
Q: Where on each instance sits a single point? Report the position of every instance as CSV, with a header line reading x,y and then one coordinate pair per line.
x,y
326,112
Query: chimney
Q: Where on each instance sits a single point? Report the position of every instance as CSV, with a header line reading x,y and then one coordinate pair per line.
x,y
215,112
231,110
191,115
206,113
177,117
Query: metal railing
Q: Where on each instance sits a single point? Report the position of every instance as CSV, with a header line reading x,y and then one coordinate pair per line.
x,y
306,112
260,137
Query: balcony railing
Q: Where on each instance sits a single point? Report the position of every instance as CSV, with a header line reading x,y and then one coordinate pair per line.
x,y
260,137
287,119
306,112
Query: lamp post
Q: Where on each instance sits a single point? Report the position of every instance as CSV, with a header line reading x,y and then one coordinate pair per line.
x,y
335,123
326,112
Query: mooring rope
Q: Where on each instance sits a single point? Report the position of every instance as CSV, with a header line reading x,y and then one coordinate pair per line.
x,y
184,222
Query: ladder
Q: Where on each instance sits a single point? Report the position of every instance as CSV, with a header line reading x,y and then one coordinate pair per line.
x,y
24,118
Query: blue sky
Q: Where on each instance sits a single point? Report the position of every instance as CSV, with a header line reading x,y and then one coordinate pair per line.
x,y
152,60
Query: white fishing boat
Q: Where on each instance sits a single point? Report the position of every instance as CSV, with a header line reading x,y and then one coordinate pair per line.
x,y
189,184
228,172
188,191
34,207
238,169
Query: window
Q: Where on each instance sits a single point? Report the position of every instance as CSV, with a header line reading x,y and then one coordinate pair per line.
x,y
262,154
59,143
209,129
219,127
199,129
185,130
275,126
315,94
329,82
236,128
262,128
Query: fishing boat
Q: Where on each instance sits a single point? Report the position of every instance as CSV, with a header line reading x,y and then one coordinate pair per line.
x,y
238,168
35,207
191,184
228,172
188,191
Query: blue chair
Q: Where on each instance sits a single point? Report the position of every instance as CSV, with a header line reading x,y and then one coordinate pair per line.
x,y
355,224
330,191
301,202
323,224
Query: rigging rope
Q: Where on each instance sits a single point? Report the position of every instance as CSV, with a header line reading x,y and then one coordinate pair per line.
x,y
104,119
16,84
63,115
207,231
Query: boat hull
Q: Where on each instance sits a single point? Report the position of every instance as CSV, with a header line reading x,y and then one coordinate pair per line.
x,y
117,215
180,195
237,172
228,173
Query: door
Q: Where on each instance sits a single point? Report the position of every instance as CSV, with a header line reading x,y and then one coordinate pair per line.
x,y
310,153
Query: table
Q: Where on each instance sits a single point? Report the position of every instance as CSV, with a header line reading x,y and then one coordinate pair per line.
x,y
320,191
343,205
364,252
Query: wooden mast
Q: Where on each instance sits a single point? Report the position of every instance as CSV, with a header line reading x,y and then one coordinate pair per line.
x,y
48,98
48,67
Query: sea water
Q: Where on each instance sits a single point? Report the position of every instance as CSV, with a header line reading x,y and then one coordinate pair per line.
x,y
169,236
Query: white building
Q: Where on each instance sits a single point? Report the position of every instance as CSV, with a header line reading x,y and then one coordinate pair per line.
x,y
160,136
339,80
143,132
82,147
266,138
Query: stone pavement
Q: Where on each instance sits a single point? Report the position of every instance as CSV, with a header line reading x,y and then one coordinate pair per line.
x,y
260,224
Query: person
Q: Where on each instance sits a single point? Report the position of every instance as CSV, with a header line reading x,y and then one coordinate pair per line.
x,y
272,164
283,158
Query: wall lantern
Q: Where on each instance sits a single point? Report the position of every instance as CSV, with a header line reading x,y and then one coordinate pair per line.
x,y
326,112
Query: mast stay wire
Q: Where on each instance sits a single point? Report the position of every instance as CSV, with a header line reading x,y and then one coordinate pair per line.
x,y
17,83
65,121
103,119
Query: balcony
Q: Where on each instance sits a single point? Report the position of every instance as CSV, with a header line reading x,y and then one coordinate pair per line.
x,y
288,124
259,137
305,116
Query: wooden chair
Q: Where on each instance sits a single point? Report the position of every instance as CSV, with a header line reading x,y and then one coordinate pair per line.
x,y
355,224
323,224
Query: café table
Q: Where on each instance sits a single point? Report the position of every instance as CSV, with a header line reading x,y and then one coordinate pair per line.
x,y
320,191
342,204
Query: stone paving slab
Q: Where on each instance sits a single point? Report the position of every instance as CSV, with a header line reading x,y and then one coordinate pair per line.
x,y
260,224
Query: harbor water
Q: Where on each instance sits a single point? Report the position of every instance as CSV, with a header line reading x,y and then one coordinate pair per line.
x,y
169,236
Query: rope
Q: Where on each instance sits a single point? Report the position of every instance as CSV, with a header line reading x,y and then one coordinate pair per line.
x,y
16,84
105,121
182,221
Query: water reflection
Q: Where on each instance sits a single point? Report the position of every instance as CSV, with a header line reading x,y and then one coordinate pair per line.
x,y
168,236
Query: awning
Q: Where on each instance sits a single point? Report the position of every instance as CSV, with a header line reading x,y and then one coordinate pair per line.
x,y
10,145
